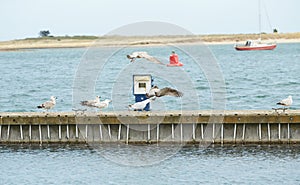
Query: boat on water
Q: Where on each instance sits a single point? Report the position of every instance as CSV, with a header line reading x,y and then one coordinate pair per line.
x,y
256,44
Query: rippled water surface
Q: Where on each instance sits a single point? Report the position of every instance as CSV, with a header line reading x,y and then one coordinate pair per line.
x,y
190,165
253,80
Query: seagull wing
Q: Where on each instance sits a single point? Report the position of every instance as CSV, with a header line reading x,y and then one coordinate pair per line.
x,y
152,92
100,105
285,102
145,55
48,104
169,91
150,58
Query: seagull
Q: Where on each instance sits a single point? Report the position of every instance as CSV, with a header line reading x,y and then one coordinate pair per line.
x,y
90,103
48,104
286,102
143,54
155,91
140,105
102,104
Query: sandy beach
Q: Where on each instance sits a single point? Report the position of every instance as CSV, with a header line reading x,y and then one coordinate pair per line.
x,y
109,41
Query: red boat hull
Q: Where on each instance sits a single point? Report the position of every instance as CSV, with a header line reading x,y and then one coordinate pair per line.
x,y
247,48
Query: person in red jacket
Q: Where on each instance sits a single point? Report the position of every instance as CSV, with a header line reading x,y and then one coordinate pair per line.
x,y
174,61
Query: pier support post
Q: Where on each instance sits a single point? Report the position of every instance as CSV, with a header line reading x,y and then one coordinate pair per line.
x,y
59,132
119,134
279,131
109,132
68,132
269,132
21,132
127,134
157,133
8,131
194,132
40,134
173,136
202,131
244,132
259,131
100,132
30,132
222,133
48,132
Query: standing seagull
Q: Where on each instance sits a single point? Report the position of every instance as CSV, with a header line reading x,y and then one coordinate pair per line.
x,y
286,102
48,104
90,103
143,54
140,105
102,104
155,91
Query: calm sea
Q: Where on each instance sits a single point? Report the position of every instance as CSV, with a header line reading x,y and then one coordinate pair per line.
x,y
244,80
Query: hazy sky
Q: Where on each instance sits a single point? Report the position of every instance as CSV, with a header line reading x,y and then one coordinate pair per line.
x,y
25,18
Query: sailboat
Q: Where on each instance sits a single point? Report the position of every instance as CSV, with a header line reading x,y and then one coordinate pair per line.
x,y
256,44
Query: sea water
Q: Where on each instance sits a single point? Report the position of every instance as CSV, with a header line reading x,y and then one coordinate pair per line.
x,y
253,80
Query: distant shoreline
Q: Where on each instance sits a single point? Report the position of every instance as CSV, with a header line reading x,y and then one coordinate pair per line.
x,y
111,41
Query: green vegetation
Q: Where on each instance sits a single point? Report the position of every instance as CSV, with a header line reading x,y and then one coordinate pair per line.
x,y
87,41
76,37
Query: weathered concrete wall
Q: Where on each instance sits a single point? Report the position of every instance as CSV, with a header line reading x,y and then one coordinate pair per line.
x,y
152,127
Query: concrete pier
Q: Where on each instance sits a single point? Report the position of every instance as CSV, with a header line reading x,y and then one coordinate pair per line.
x,y
152,127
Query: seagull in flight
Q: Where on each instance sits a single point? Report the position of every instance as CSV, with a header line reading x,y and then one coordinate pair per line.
x,y
48,104
156,92
90,103
139,106
143,54
286,102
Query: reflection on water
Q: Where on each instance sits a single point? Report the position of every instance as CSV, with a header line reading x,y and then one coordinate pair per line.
x,y
77,164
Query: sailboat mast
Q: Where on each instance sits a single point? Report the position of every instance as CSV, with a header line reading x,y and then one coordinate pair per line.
x,y
259,19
